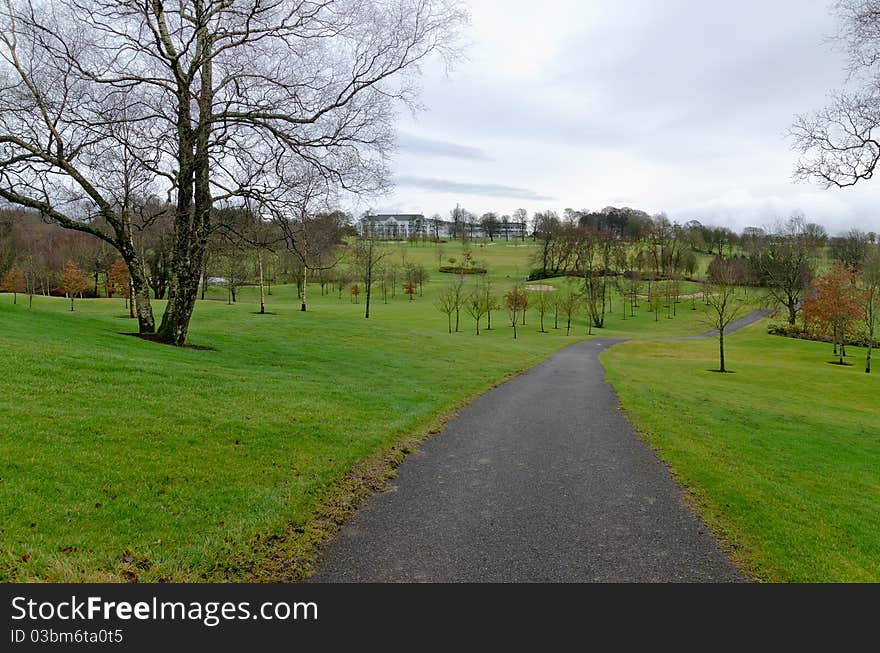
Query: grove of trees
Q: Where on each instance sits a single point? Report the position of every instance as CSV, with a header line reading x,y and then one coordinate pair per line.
x,y
114,114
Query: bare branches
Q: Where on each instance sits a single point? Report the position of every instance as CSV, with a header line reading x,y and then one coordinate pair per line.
x,y
839,146
206,102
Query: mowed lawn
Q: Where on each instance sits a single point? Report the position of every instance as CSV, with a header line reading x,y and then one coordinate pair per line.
x,y
181,457
783,456
121,456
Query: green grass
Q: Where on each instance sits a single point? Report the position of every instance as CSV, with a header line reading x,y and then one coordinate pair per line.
x,y
185,457
506,261
110,443
782,456
190,459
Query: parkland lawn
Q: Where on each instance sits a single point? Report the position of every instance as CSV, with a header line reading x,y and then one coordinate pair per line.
x,y
782,456
120,456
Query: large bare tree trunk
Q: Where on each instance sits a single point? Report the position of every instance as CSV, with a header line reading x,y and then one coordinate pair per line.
x,y
192,217
143,309
139,288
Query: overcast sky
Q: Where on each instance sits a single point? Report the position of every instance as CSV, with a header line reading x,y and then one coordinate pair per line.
x,y
679,106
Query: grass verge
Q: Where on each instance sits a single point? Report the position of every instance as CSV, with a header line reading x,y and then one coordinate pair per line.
x,y
781,456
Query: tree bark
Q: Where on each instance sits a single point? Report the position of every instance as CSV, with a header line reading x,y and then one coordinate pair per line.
x,y
302,294
204,276
721,348
262,295
192,216
870,321
128,301
369,289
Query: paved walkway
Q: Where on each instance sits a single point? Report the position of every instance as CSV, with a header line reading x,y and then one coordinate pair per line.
x,y
540,479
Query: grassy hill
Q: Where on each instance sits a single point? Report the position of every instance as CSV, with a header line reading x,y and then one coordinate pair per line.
x,y
120,456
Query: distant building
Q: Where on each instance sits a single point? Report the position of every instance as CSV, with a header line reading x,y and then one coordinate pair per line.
x,y
414,225
411,225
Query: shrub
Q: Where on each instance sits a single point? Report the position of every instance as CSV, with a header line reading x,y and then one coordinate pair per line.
x,y
798,331
787,330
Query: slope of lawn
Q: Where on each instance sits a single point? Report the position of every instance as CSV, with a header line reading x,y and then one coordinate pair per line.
x,y
783,456
121,456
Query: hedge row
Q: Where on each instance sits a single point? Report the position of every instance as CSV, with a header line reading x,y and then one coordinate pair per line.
x,y
797,331
456,270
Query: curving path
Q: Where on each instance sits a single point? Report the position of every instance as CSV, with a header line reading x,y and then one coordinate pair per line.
x,y
540,479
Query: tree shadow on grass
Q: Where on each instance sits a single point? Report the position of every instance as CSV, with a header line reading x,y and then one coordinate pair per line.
x,y
839,364
720,372
152,337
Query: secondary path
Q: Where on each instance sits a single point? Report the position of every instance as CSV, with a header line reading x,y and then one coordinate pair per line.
x,y
540,479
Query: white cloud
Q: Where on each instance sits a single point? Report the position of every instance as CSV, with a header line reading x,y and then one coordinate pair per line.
x,y
679,106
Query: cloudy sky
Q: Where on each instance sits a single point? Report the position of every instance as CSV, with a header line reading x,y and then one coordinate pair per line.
x,y
679,106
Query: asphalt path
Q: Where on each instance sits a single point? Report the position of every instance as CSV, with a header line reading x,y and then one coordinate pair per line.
x,y
542,479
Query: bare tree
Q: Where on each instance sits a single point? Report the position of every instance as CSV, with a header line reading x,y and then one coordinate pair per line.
x,y
208,101
595,253
569,301
515,301
367,257
459,297
476,306
342,278
727,303
839,144
490,224
521,218
68,150
491,300
785,260
315,239
446,304
541,300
